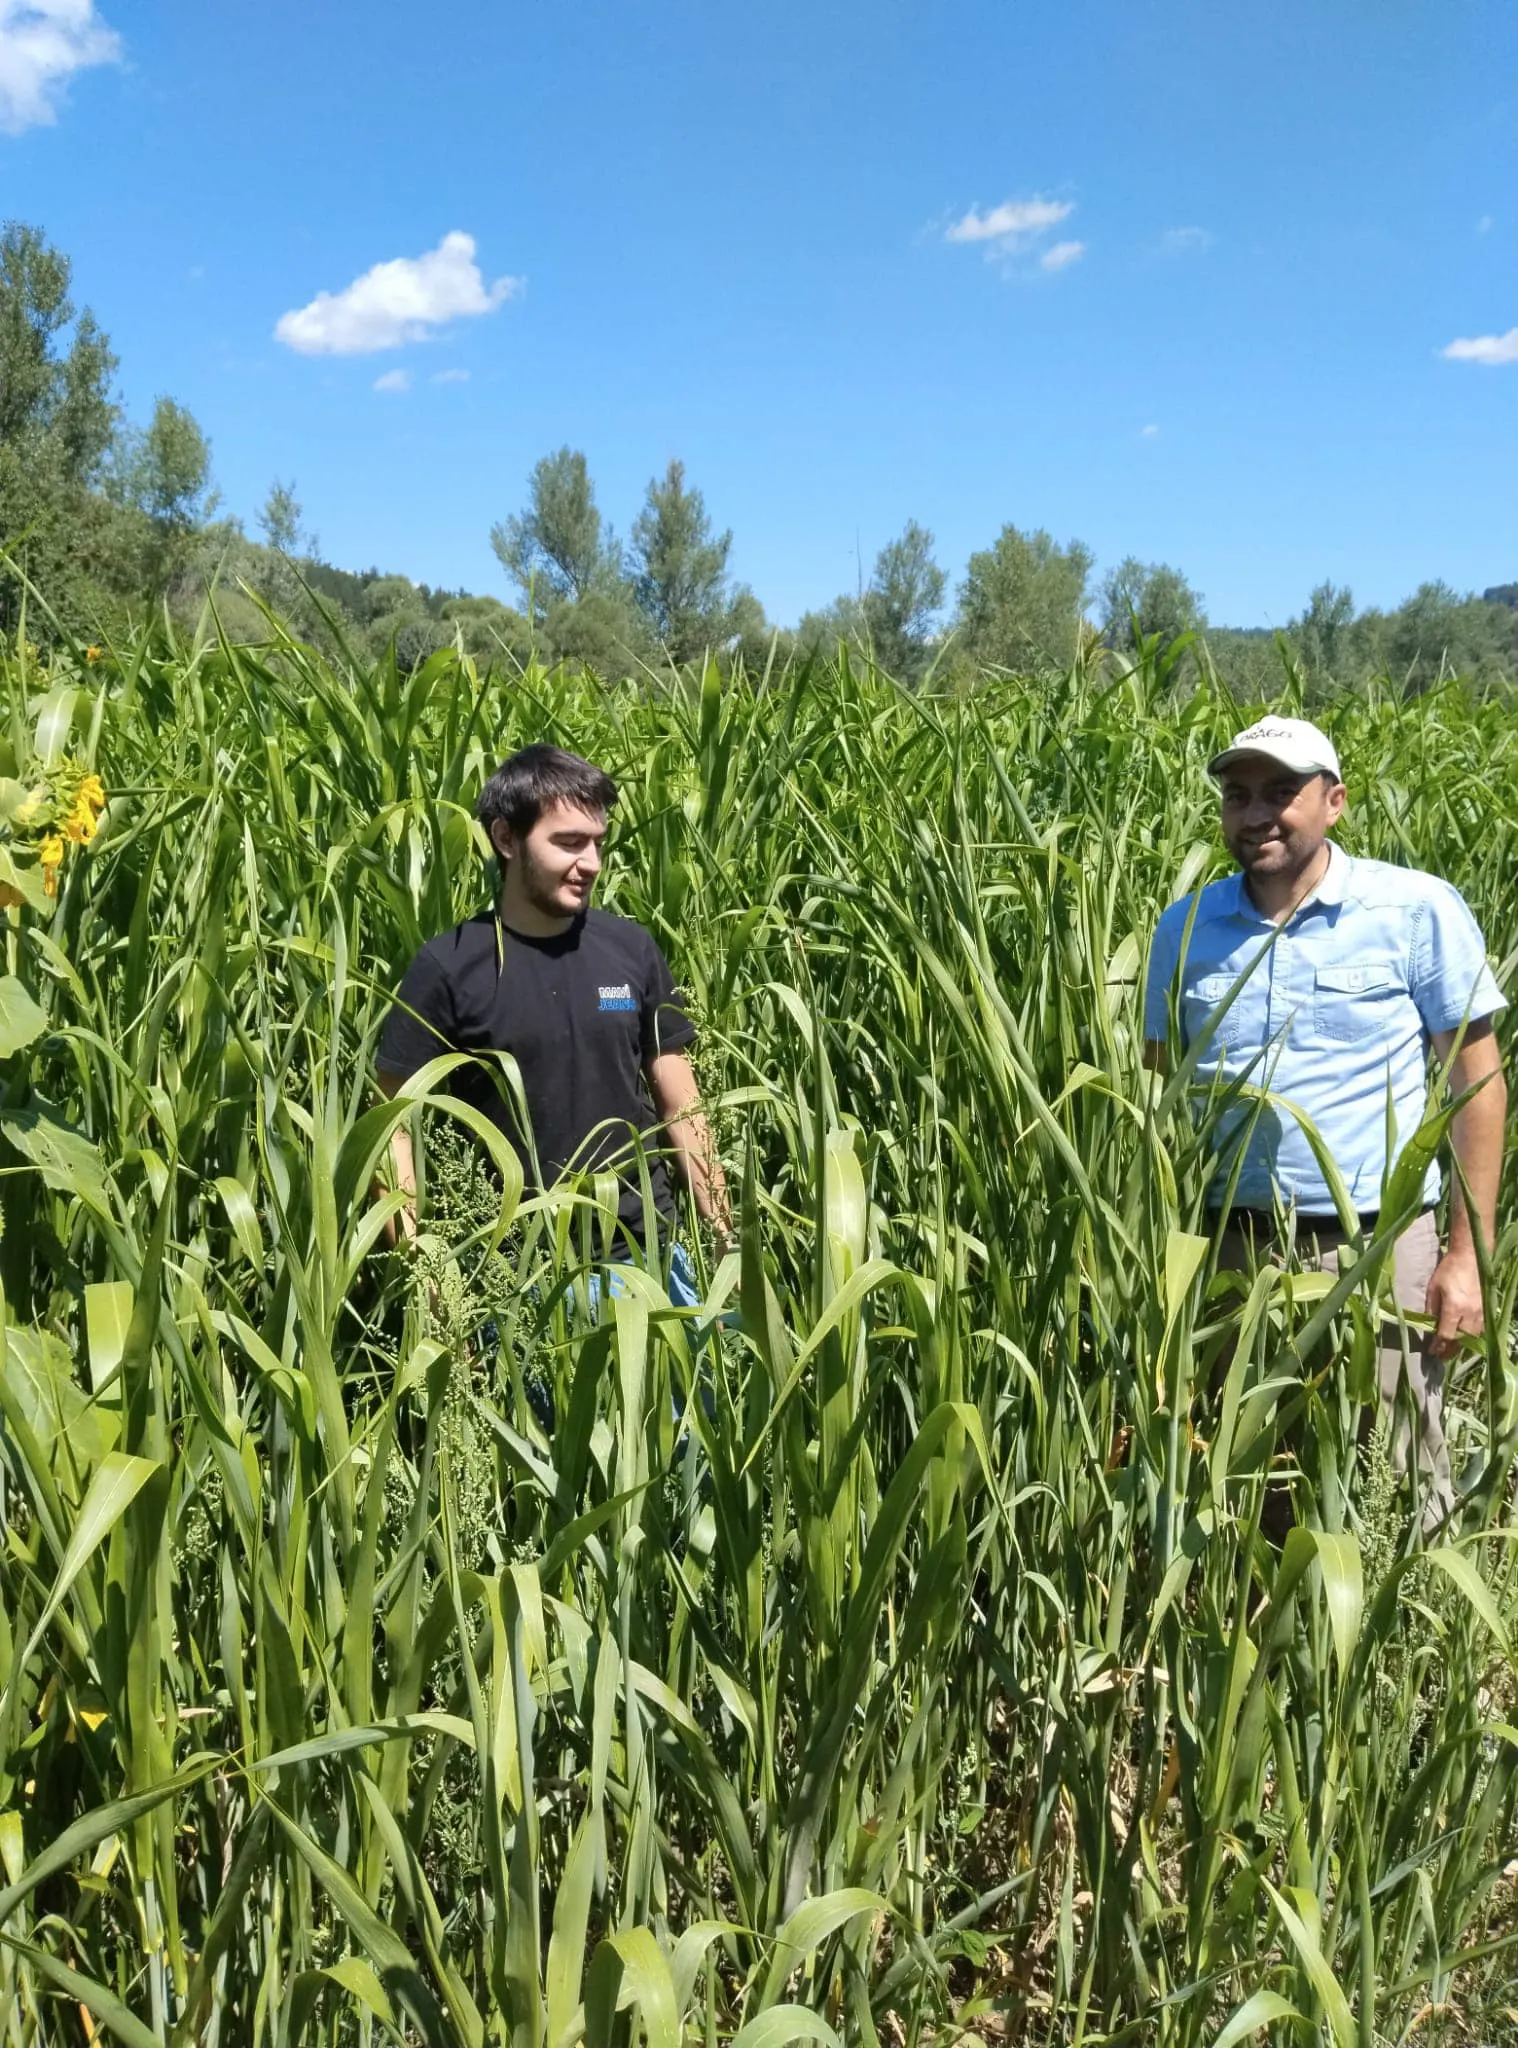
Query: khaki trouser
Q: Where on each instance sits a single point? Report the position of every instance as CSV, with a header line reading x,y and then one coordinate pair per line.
x,y
1421,1449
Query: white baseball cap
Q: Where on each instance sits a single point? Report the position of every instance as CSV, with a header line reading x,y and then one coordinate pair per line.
x,y
1293,742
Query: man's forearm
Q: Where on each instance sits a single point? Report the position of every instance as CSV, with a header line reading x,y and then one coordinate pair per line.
x,y
403,1177
1476,1136
691,1140
677,1101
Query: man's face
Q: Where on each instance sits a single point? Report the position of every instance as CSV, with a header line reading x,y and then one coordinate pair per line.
x,y
557,861
1274,821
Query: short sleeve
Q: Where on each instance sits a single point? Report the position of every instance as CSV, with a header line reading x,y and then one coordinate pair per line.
x,y
664,1023
421,1020
1162,964
1452,981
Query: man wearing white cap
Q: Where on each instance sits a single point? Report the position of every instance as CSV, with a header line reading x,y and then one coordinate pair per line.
x,y
1342,974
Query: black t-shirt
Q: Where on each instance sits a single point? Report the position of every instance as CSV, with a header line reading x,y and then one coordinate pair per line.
x,y
580,1014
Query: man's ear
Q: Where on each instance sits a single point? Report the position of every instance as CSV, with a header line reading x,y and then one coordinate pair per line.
x,y
1338,797
503,839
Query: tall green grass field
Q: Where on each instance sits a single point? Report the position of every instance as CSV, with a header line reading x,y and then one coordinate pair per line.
x,y
888,1652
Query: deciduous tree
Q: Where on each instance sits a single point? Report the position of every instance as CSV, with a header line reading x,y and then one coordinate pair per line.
x,y
57,420
1143,599
556,545
174,471
1023,601
279,520
1323,632
904,598
679,568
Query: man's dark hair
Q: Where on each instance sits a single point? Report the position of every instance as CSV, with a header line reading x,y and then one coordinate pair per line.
x,y
522,788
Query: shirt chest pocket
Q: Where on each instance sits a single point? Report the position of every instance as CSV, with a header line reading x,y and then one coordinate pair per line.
x,y
1243,1023
1357,1000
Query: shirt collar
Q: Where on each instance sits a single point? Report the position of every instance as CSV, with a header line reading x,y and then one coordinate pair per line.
x,y
1335,883
1331,891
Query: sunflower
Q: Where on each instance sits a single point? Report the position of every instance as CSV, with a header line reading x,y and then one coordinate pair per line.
x,y
81,824
83,821
50,857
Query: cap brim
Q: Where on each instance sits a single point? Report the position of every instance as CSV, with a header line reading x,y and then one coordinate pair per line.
x,y
1296,764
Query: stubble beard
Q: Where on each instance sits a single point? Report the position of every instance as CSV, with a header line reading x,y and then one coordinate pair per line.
x,y
542,891
1288,861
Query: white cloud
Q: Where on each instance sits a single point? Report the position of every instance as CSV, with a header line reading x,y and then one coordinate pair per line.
x,y
450,377
1013,223
1148,433
42,44
1185,241
1061,254
1484,348
393,380
396,302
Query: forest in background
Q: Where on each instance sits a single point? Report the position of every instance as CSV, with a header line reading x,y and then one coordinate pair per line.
x,y
903,1659
106,520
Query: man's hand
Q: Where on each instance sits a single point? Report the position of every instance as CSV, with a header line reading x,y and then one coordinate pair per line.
x,y
677,1100
1453,1299
1476,1137
399,1229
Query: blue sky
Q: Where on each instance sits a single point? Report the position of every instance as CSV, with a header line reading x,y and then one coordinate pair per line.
x,y
804,249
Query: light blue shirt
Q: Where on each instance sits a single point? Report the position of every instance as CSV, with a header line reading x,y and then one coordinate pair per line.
x,y
1341,1003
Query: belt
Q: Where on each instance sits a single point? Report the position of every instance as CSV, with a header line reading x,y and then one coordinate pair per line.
x,y
1265,1219
1314,1224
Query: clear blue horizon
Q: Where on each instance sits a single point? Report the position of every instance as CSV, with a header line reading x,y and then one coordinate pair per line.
x,y
1178,281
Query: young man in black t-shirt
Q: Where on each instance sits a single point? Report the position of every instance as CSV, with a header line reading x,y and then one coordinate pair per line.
x,y
582,1000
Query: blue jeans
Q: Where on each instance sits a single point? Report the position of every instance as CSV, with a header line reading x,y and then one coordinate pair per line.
x,y
683,1293
681,1287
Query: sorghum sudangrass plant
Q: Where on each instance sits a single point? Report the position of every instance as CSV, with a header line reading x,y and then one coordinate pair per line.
x,y
907,1661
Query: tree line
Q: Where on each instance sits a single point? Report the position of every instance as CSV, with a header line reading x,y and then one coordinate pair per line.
x,y
102,518
1027,602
